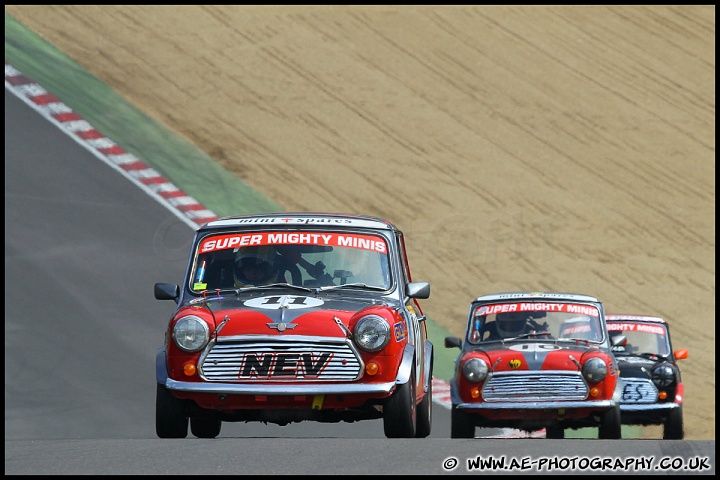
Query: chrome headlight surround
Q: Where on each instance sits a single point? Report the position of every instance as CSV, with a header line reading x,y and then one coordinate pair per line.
x,y
663,376
595,370
191,333
371,333
475,370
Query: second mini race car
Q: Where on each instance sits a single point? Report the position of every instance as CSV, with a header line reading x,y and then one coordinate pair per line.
x,y
530,361
652,384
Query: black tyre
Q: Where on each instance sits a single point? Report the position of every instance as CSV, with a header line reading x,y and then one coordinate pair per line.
x,y
461,426
610,425
554,432
171,420
673,428
424,414
203,427
399,412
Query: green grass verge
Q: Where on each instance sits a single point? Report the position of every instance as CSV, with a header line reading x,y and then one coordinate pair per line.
x,y
179,161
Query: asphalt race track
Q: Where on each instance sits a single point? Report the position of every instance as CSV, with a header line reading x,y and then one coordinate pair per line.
x,y
83,248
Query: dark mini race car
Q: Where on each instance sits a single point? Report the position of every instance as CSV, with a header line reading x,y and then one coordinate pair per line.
x,y
289,317
652,391
535,360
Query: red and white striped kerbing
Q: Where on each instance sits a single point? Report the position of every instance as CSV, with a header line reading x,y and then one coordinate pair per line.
x,y
441,392
147,178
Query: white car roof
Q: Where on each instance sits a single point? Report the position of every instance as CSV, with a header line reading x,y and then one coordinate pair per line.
x,y
529,296
303,218
631,318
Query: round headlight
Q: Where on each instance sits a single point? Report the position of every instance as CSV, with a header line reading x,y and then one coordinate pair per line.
x,y
191,333
475,370
663,376
372,333
595,369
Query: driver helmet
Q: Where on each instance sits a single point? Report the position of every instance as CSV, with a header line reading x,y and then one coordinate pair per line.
x,y
511,324
255,266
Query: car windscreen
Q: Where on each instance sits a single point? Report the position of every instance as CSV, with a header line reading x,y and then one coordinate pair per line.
x,y
535,320
302,258
640,337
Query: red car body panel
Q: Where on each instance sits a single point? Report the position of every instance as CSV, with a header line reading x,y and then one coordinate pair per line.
x,y
316,324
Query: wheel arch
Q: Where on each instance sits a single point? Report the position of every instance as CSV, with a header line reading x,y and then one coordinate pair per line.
x,y
161,372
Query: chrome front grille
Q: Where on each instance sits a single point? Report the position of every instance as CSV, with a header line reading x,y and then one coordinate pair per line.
x,y
281,358
524,386
638,390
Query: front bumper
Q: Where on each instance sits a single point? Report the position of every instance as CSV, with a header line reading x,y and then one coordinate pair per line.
x,y
281,389
649,407
594,404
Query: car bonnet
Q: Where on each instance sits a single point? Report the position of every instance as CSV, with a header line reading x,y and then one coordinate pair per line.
x,y
539,356
290,314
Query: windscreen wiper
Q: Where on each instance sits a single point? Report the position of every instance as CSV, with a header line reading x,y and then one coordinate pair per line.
x,y
273,286
362,286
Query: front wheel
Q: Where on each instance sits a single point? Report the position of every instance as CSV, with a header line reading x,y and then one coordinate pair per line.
x,y
461,425
673,428
400,410
554,432
171,420
610,425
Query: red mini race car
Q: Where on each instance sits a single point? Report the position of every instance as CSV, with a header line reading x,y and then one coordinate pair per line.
x,y
653,390
535,360
295,316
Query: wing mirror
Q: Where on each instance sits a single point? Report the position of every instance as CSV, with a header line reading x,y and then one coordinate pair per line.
x,y
418,289
167,291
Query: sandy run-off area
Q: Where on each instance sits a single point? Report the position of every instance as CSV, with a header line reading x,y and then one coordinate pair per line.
x,y
560,148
